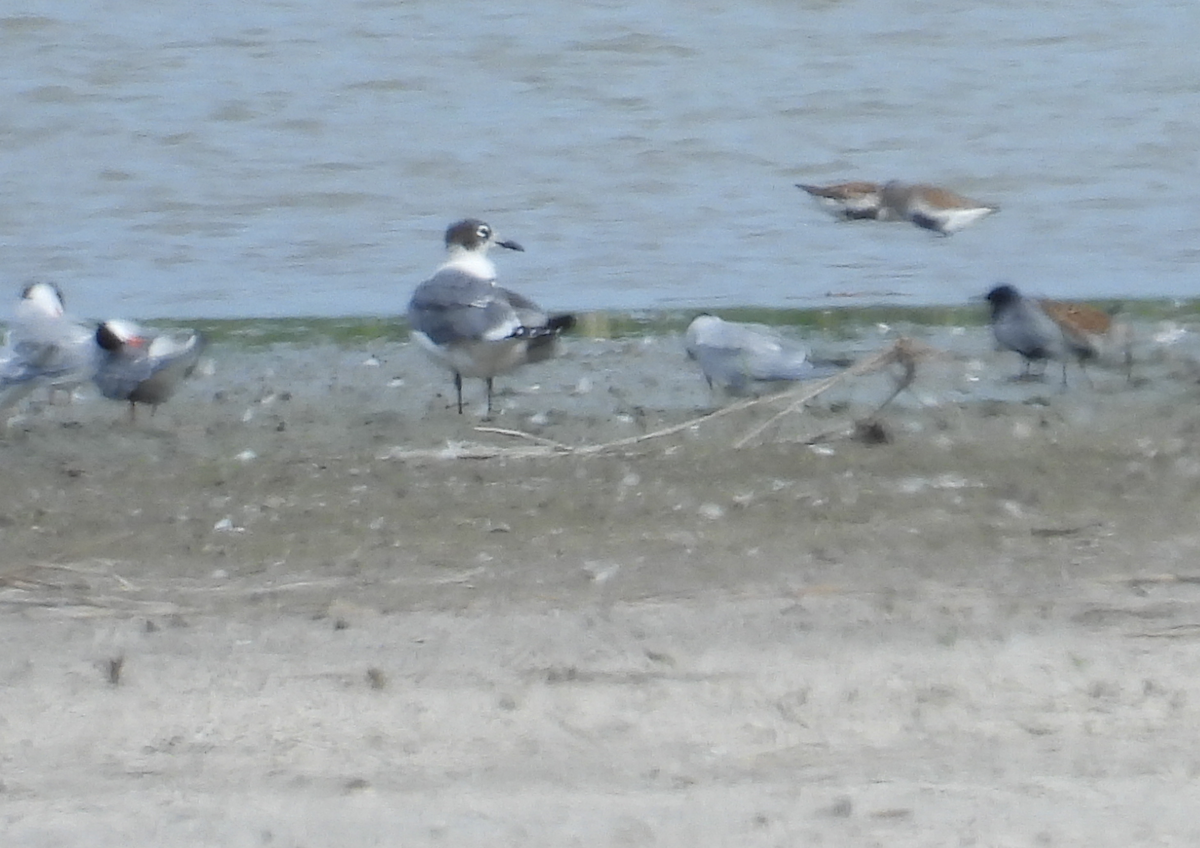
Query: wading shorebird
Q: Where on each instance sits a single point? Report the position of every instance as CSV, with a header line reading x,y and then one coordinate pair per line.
x,y
472,326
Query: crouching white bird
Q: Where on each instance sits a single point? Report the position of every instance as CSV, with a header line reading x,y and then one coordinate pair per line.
x,y
472,326
140,366
45,347
734,355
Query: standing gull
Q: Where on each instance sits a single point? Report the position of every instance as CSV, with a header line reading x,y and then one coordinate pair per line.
x,y
735,355
473,327
141,367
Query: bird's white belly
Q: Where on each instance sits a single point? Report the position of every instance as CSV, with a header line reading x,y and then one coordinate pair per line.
x,y
476,358
954,220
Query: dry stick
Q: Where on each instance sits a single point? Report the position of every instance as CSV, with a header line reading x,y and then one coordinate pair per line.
x,y
1151,579
1178,631
910,373
264,589
521,434
686,425
899,352
630,440
125,584
904,351
473,452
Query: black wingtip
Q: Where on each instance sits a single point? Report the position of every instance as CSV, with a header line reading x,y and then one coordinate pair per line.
x,y
560,323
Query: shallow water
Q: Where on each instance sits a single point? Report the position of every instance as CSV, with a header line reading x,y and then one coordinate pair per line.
x,y
295,158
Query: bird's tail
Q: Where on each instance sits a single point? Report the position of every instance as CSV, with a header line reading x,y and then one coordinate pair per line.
x,y
542,340
560,323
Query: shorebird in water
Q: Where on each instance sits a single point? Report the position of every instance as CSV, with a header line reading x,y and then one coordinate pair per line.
x,y
853,201
472,326
931,207
140,366
927,206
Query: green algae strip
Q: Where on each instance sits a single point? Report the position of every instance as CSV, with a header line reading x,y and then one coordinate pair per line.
x,y
835,321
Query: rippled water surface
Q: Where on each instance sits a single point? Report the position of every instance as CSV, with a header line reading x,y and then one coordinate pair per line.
x,y
302,158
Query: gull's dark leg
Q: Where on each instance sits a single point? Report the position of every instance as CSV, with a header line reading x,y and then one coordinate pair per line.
x,y
489,395
1086,376
458,389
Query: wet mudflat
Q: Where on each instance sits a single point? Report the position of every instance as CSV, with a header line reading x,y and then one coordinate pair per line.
x,y
273,614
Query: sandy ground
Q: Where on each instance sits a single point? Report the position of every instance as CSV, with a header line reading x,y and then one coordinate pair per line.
x,y
263,617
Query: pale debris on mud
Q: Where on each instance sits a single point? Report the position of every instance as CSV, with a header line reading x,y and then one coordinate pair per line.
x,y
982,632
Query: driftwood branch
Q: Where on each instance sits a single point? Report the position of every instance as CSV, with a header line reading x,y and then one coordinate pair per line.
x,y
905,352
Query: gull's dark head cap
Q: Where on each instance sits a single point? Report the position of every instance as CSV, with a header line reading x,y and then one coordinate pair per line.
x,y
472,234
1002,295
113,335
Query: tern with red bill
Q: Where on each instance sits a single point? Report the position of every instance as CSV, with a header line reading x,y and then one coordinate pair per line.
x,y
141,366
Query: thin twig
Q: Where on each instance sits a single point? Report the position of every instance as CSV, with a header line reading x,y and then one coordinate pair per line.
x,y
75,569
521,434
904,351
898,352
1153,579
1178,631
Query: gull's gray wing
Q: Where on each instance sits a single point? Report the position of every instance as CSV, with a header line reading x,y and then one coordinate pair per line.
x,y
1026,329
48,362
453,306
19,365
120,373
769,355
737,354
166,359
58,349
721,366
528,313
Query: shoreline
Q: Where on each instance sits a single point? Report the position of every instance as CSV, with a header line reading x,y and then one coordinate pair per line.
x,y
245,621
359,329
